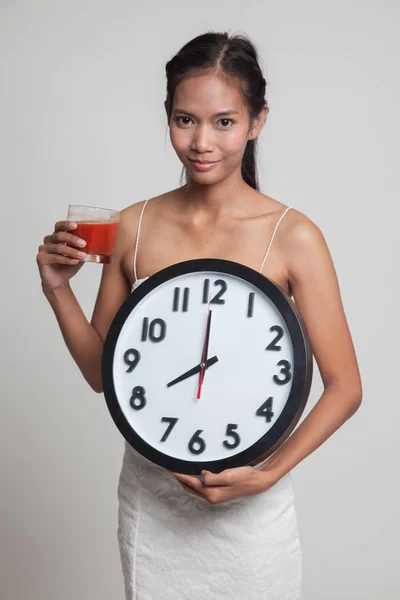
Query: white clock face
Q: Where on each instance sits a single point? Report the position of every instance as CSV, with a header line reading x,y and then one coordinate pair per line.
x,y
249,374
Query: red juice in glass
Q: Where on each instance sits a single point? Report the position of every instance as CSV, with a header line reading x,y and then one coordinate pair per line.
x,y
98,227
100,237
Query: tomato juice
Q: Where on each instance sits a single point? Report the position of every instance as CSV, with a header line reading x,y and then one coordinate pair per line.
x,y
99,236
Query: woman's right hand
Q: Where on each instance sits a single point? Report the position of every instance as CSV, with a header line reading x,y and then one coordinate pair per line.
x,y
59,256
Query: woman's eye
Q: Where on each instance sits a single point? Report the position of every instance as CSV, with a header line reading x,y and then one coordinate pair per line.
x,y
178,120
228,120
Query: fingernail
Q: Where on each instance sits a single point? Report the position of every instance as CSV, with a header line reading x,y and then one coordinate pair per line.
x,y
82,254
72,225
81,243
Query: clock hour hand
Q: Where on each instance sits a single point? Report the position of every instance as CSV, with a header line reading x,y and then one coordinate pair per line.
x,y
193,371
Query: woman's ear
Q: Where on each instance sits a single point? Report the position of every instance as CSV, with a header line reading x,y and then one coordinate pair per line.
x,y
258,122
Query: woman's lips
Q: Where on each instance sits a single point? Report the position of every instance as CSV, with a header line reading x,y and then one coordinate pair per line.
x,y
204,166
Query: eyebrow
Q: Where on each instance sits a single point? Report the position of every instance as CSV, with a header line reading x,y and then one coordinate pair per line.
x,y
220,114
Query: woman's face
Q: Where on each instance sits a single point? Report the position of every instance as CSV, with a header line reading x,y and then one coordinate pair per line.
x,y
199,131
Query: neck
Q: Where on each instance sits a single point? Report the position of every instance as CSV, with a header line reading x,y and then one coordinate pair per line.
x,y
225,197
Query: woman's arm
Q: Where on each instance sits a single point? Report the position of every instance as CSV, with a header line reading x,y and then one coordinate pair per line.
x,y
81,339
316,292
85,340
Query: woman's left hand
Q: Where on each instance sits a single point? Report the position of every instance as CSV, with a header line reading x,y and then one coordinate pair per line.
x,y
227,485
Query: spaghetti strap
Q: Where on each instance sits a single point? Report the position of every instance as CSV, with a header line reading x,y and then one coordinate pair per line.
x,y
273,235
137,237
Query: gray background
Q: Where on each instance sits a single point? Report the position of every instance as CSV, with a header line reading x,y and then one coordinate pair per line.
x,y
82,121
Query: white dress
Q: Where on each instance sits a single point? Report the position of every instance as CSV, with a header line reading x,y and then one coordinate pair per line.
x,y
177,546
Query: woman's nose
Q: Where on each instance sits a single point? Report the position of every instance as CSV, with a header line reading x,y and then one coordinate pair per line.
x,y
202,139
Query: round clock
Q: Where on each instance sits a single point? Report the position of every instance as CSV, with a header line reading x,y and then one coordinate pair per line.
x,y
207,365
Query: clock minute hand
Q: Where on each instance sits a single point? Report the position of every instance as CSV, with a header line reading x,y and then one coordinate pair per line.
x,y
194,371
205,351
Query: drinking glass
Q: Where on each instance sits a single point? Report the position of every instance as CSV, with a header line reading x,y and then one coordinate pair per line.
x,y
98,227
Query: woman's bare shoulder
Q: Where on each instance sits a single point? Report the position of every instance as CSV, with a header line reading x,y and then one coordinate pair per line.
x,y
300,231
294,221
131,213
129,218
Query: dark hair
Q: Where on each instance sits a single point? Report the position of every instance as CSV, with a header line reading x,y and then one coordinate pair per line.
x,y
235,57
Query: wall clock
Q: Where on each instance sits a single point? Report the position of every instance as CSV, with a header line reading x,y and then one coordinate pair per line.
x,y
207,365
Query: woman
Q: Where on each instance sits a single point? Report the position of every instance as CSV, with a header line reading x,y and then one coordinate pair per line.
x,y
231,534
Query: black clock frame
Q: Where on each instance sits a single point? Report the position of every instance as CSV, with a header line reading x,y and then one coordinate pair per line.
x,y
302,368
